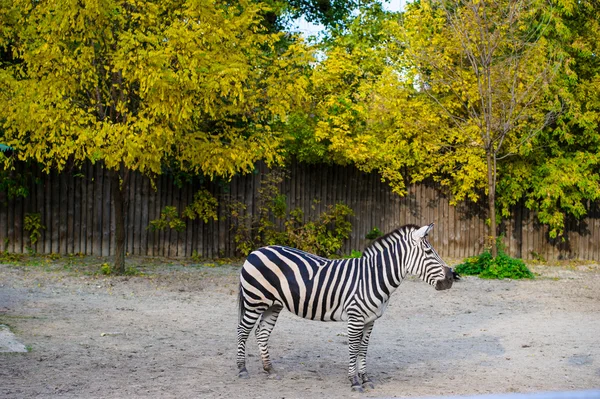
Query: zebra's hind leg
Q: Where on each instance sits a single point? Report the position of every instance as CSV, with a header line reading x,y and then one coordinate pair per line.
x,y
247,321
367,383
263,332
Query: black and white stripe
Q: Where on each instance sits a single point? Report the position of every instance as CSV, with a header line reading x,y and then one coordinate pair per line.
x,y
316,288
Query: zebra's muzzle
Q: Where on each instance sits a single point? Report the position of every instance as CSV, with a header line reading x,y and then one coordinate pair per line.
x,y
447,281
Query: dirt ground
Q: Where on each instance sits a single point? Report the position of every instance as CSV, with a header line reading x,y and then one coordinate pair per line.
x,y
171,334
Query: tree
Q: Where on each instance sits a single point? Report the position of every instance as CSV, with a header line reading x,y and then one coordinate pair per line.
x,y
137,84
561,172
353,91
489,68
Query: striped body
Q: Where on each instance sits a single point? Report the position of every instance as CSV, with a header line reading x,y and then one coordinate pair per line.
x,y
316,288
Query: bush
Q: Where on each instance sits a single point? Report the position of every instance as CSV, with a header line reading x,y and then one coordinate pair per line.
x,y
503,266
354,254
374,234
274,224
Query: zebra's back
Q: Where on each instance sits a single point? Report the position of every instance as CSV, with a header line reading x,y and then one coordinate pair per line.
x,y
307,285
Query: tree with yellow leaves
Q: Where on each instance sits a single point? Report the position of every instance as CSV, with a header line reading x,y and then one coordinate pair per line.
x,y
489,68
137,83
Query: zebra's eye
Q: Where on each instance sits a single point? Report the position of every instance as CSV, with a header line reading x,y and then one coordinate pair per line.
x,y
427,248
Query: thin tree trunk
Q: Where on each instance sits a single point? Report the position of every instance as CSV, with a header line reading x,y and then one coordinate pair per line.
x,y
491,165
118,188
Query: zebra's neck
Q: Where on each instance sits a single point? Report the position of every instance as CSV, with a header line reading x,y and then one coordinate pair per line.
x,y
384,263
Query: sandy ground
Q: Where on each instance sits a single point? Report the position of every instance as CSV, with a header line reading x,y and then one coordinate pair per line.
x,y
171,333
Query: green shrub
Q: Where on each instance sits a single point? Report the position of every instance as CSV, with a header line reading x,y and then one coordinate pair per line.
x,y
374,234
33,225
204,206
272,223
503,266
169,217
354,254
106,269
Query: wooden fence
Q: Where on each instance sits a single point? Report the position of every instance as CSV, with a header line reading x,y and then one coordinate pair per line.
x,y
76,211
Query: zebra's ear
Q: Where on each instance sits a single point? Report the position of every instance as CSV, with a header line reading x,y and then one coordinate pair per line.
x,y
422,232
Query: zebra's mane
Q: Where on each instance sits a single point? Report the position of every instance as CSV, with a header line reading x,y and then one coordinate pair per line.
x,y
398,230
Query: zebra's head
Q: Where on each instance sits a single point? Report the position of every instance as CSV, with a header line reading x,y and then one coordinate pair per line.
x,y
425,261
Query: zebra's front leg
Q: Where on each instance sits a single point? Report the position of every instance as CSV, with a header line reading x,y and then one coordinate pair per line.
x,y
367,383
263,332
355,334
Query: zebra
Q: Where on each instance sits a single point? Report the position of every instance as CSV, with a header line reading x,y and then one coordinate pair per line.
x,y
355,290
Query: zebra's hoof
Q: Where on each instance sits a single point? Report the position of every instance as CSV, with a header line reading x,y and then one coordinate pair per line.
x,y
368,384
357,388
243,373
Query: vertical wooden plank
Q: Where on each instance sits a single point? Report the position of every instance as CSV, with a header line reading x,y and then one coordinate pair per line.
x,y
145,197
473,237
349,194
77,206
509,239
83,180
483,234
158,238
21,237
175,201
70,212
524,231
28,208
39,206
55,206
593,216
386,210
90,195
526,234
358,205
157,203
133,234
231,192
376,208
96,204
317,179
583,236
152,190
419,206
107,211
293,194
142,234
130,233
461,229
63,214
304,193
139,207
160,204
594,230
185,247
439,218
222,223
408,203
10,231
4,220
200,226
446,225
451,231
193,226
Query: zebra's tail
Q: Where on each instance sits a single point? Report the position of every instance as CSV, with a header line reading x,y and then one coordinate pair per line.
x,y
240,304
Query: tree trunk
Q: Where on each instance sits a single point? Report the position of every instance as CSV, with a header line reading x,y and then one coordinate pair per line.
x,y
118,188
491,165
